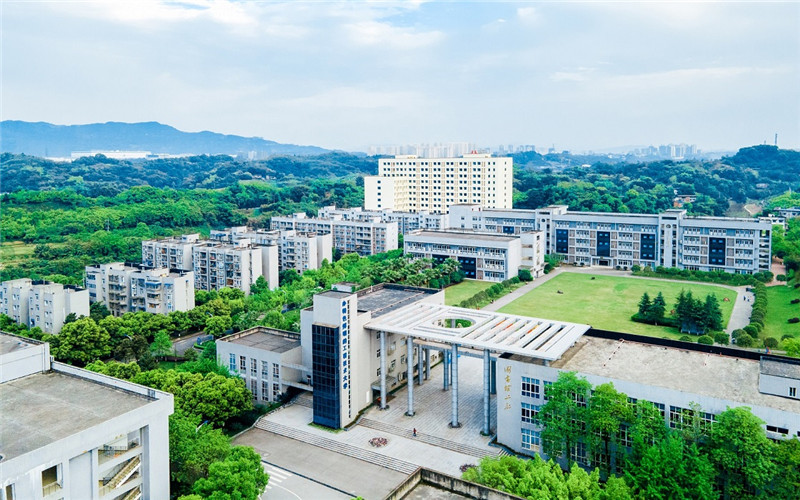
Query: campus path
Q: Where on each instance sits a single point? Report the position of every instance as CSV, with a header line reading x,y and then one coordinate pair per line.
x,y
740,315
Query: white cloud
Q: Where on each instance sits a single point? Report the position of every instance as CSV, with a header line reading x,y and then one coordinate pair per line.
x,y
385,35
528,15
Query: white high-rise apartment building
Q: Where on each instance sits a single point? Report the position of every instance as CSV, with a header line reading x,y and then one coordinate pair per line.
x,y
172,253
69,433
239,265
125,288
408,183
364,237
296,250
42,303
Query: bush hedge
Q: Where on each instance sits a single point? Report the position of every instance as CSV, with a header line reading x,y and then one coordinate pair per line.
x,y
705,339
721,338
719,277
483,297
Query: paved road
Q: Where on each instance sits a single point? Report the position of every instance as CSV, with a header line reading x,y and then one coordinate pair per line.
x,y
183,344
284,485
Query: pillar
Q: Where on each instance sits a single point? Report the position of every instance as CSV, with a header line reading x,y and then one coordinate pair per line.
x,y
446,369
427,363
487,364
410,374
420,370
383,370
454,382
493,376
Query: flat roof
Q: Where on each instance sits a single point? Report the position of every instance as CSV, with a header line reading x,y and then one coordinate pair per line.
x,y
10,343
506,333
385,298
459,235
43,408
713,375
780,368
268,339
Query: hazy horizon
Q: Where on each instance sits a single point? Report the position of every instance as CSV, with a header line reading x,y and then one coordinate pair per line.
x,y
580,76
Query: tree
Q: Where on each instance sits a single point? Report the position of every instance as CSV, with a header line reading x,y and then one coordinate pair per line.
x,y
564,415
608,412
741,453
646,430
644,306
525,275
712,314
240,476
82,341
217,325
672,469
792,347
786,483
658,309
193,447
98,311
161,345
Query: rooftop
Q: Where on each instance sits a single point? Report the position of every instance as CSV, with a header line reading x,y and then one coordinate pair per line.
x,y
268,339
713,375
11,343
458,235
505,333
780,368
42,408
385,298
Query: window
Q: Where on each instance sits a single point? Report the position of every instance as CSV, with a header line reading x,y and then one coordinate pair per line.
x,y
530,387
264,369
254,388
779,430
546,386
792,392
276,371
530,439
530,414
264,389
232,362
253,367
242,364
578,453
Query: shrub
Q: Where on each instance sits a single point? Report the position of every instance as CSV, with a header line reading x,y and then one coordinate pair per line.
x,y
525,275
787,336
794,320
797,285
751,330
686,338
636,268
721,338
705,339
745,341
795,301
771,342
781,277
737,332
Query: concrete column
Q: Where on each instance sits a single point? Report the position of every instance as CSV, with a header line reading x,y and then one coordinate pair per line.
x,y
420,369
410,374
487,362
383,370
427,363
446,369
493,377
454,364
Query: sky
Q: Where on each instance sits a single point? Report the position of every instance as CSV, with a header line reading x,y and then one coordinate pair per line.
x,y
578,76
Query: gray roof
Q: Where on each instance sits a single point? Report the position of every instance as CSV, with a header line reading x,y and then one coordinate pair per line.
x,y
10,343
385,298
43,408
780,368
267,339
462,237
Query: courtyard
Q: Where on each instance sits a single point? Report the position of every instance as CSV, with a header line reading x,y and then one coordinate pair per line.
x,y
608,302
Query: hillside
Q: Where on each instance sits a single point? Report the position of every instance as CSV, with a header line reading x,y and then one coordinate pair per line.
x,y
48,140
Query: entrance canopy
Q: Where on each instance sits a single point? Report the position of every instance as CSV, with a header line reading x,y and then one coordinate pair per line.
x,y
505,333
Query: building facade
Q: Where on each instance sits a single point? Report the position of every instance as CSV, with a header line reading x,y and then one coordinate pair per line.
x,y
406,221
237,265
408,183
296,250
349,236
268,360
127,288
171,253
669,239
652,372
69,433
42,304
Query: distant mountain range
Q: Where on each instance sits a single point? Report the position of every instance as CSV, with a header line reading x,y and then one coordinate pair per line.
x,y
48,140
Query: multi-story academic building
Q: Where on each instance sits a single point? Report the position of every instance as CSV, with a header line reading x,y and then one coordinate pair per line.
x,y
296,250
406,221
483,256
69,433
134,288
237,265
349,236
411,184
42,303
669,239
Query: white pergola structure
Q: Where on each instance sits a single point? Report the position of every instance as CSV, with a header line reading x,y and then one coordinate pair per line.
x,y
473,329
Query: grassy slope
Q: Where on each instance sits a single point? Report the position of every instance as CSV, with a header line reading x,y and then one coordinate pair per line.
x,y
607,302
779,310
464,290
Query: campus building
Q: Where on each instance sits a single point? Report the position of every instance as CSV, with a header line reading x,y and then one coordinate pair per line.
x,y
268,360
669,239
349,236
296,250
172,253
674,376
127,288
483,256
42,304
410,184
406,221
235,265
69,433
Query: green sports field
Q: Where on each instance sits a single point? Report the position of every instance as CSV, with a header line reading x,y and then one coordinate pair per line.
x,y
780,309
607,302
464,290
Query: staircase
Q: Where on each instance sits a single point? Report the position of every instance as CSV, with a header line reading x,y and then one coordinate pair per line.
x,y
305,399
431,440
338,447
134,494
124,473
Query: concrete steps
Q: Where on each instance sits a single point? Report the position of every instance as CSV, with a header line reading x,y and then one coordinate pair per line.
x,y
338,447
305,399
430,439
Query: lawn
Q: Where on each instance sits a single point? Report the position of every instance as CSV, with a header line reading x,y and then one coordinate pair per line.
x,y
464,290
779,310
607,302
